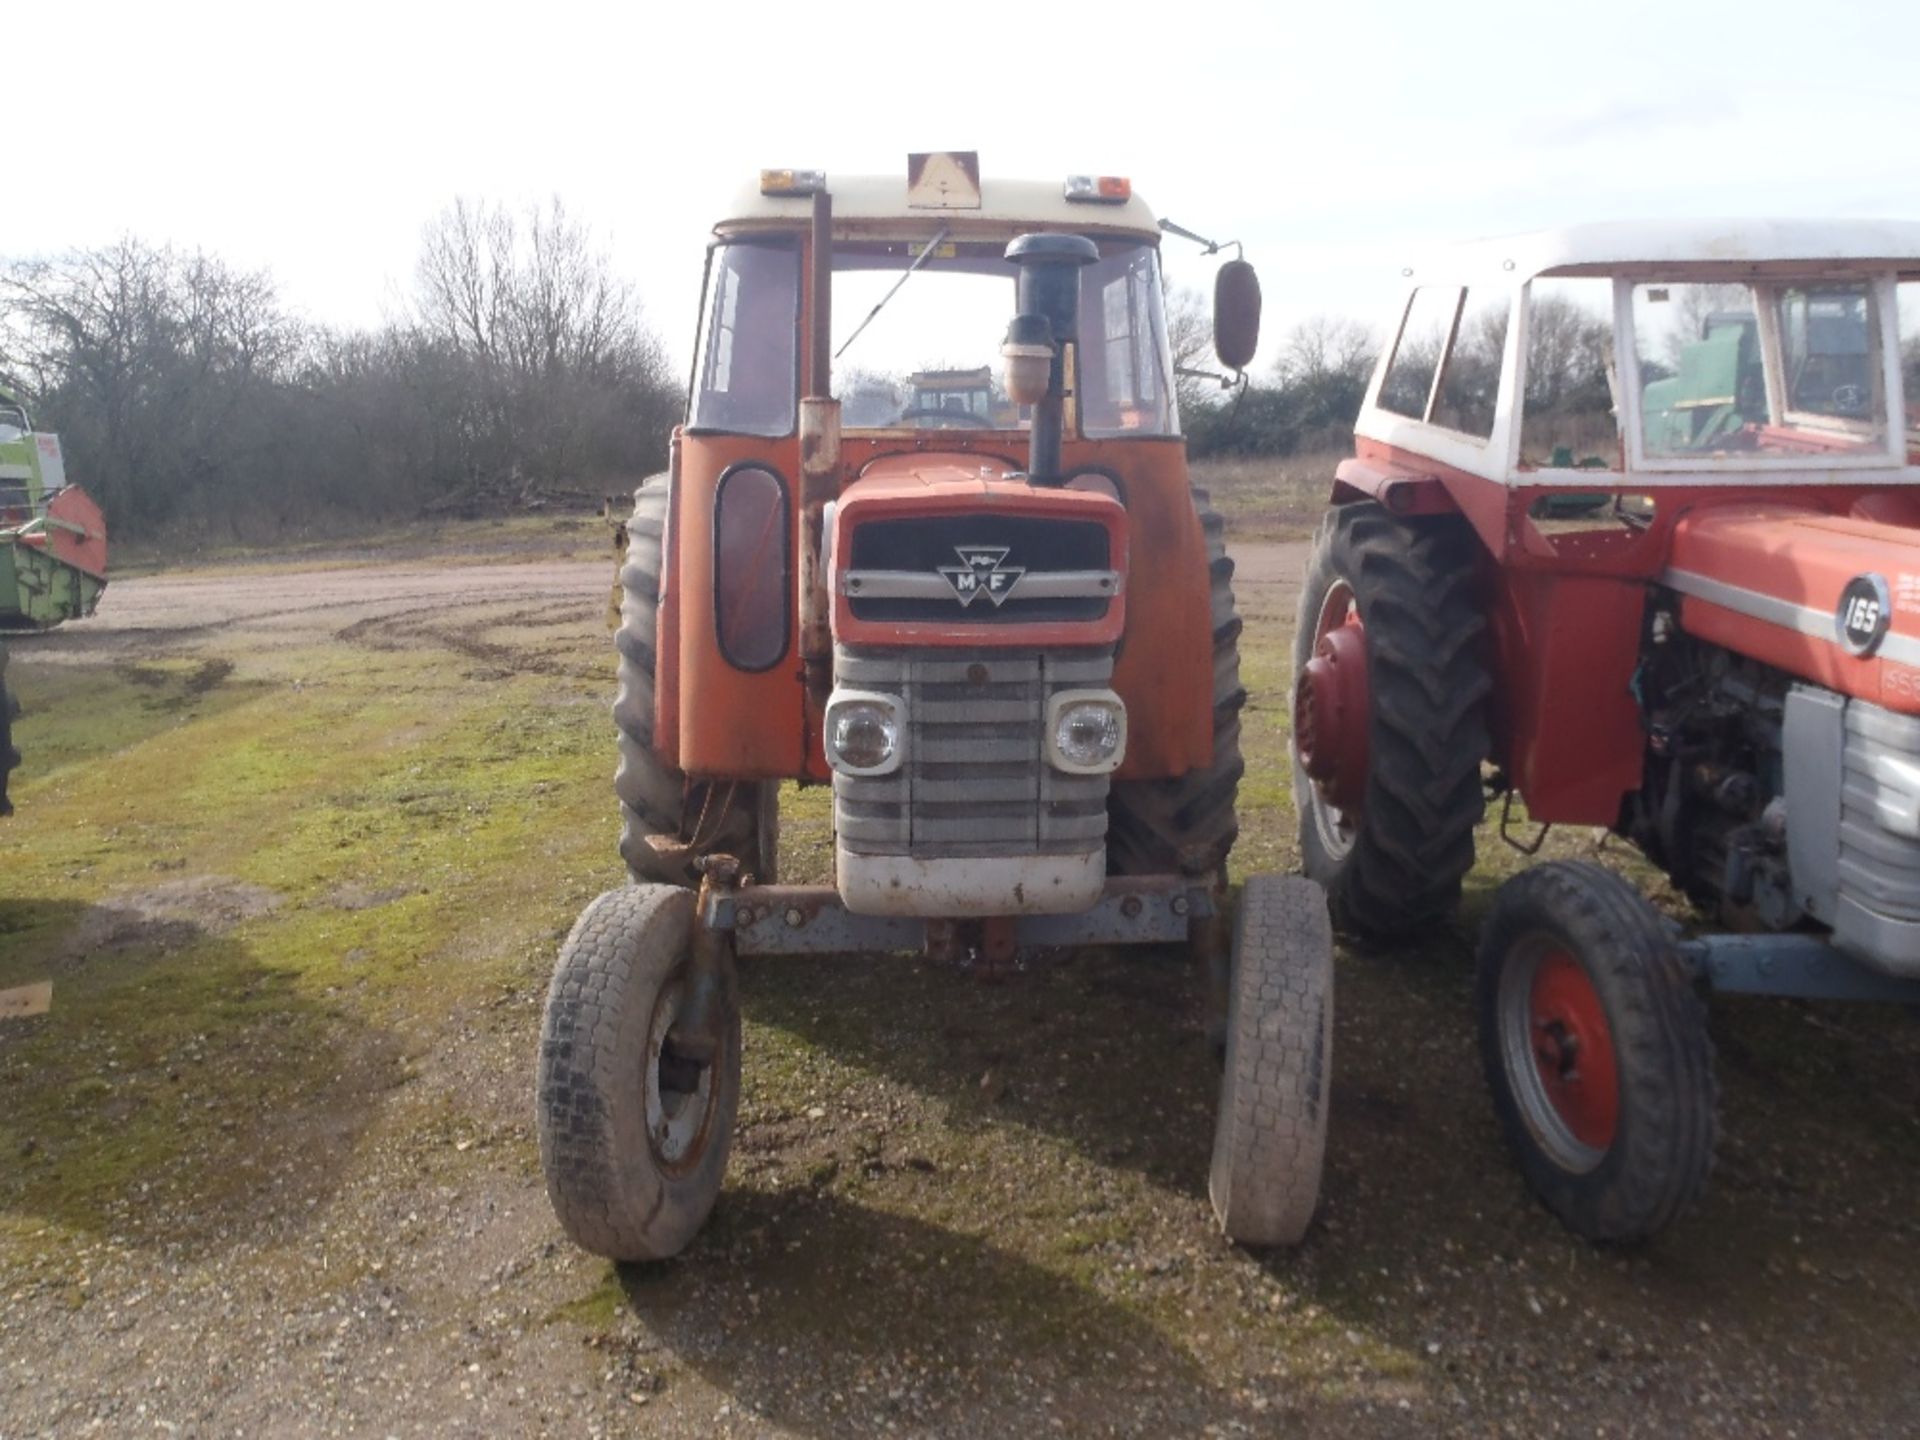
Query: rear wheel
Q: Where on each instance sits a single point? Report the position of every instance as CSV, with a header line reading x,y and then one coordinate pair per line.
x,y
1389,727
668,821
1595,1046
1187,825
1270,1138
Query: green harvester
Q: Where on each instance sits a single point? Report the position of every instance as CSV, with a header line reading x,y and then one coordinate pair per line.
x,y
53,549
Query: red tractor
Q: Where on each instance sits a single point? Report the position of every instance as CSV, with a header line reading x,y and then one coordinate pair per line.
x,y
1631,532
1008,645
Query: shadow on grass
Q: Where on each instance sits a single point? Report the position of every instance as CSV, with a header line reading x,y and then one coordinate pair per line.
x,y
829,1317
181,1093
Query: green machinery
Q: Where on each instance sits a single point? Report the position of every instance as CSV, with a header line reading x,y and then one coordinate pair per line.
x,y
53,549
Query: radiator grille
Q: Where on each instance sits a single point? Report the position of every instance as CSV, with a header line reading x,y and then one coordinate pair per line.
x,y
976,780
912,570
1879,869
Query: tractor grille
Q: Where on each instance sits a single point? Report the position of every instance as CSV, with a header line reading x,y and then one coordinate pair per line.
x,y
1879,869
976,779
983,569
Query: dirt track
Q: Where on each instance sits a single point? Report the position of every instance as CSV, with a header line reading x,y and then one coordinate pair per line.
x,y
952,1209
291,606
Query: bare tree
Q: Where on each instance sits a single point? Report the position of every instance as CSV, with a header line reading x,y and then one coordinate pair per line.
x,y
1324,348
154,364
566,378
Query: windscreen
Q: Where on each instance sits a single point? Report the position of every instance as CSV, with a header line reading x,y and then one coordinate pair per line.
x,y
1760,372
921,350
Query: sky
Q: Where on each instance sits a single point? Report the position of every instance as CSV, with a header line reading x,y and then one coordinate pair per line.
x,y
1338,142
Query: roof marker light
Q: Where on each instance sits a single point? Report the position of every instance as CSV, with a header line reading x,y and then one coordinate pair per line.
x,y
792,182
1099,189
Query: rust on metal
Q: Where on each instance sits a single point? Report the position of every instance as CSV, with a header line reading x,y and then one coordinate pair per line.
x,y
698,1031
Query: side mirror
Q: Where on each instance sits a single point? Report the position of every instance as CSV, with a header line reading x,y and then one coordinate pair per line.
x,y
1236,314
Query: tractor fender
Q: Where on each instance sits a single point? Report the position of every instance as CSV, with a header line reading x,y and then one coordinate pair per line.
x,y
1401,491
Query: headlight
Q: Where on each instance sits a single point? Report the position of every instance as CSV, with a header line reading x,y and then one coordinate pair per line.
x,y
866,732
1086,731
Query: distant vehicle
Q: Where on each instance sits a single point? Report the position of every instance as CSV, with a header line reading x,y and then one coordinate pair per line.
x,y
53,550
1631,532
958,399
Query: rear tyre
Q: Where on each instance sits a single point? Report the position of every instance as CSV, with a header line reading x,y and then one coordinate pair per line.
x,y
1187,825
633,1137
1595,1046
669,821
1270,1138
1393,866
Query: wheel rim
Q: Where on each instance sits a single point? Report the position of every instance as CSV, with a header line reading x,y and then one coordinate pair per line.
x,y
1557,1050
680,1094
1320,696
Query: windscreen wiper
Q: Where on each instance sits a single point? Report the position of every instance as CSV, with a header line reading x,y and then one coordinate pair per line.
x,y
918,261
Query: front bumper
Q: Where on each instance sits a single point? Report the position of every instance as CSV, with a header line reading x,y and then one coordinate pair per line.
x,y
966,886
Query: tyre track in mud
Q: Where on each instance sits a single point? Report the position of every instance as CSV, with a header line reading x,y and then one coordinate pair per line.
x,y
454,608
447,607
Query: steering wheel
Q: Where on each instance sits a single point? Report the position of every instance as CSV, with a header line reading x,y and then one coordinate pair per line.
x,y
926,419
1850,400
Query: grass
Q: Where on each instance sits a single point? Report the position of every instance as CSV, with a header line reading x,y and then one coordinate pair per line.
x,y
1269,498
289,874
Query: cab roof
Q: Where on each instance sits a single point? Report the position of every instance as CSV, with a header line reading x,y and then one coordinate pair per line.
x,y
1618,244
870,201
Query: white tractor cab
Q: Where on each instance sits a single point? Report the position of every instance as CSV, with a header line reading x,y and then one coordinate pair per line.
x,y
1631,532
1705,353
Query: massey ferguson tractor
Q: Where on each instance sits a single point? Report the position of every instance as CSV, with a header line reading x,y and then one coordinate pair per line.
x,y
53,550
1008,645
1632,533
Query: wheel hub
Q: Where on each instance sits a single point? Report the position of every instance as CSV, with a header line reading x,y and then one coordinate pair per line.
x,y
679,1091
1330,706
1573,1051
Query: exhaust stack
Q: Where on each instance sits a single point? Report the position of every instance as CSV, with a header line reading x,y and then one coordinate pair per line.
x,y
1048,320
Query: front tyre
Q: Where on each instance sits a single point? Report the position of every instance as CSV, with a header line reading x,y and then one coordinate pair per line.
x,y
1270,1137
1595,1047
633,1136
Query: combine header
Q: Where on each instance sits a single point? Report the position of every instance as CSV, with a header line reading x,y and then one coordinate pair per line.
x,y
53,550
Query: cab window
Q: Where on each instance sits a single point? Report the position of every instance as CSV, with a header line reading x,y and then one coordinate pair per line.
x,y
1416,355
746,371
1126,372
1568,416
1909,294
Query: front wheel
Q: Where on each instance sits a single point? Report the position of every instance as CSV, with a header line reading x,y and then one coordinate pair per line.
x,y
1270,1138
633,1135
1595,1046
